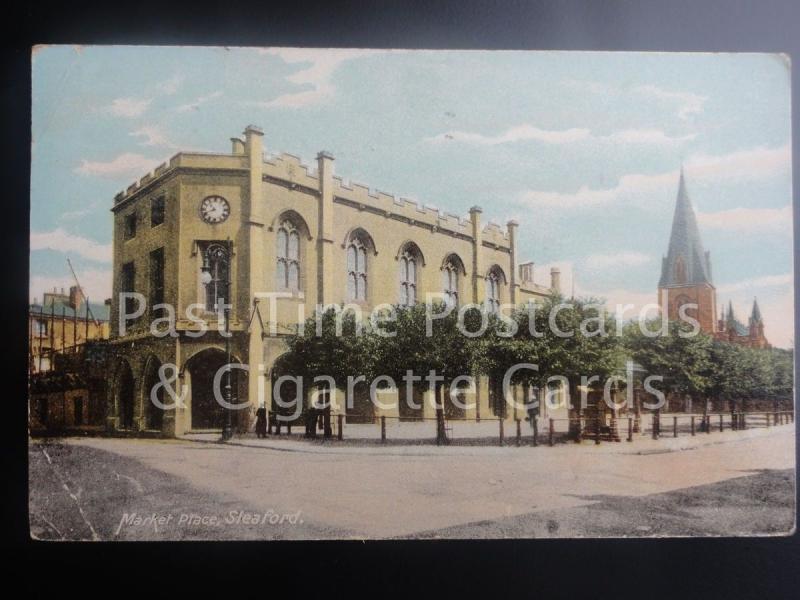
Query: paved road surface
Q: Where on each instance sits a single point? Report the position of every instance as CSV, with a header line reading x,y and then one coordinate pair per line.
x,y
96,488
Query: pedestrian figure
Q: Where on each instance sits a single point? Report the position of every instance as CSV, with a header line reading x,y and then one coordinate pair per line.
x,y
261,421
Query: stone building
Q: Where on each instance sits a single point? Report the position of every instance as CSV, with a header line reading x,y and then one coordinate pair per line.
x,y
276,225
62,323
686,279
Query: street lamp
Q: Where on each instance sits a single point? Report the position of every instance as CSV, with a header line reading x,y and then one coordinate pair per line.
x,y
216,254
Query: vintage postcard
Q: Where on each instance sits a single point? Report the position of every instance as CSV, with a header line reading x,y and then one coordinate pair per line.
x,y
296,293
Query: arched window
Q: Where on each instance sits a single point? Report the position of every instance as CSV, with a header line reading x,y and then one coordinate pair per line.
x,y
494,279
451,270
409,263
216,263
288,266
357,269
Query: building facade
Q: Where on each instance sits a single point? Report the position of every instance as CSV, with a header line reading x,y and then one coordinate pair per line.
x,y
62,323
274,225
686,280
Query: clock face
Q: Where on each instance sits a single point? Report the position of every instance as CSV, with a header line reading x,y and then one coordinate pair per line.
x,y
214,209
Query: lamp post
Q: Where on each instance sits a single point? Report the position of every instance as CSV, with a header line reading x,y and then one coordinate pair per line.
x,y
217,253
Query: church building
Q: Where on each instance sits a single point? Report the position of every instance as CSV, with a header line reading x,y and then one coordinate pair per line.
x,y
686,279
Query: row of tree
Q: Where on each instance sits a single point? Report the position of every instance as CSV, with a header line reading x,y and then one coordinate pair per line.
x,y
407,339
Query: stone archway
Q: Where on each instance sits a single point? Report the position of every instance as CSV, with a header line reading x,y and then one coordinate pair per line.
x,y
206,412
125,395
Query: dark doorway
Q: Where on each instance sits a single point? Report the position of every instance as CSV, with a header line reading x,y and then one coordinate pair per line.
x,y
154,415
207,412
125,394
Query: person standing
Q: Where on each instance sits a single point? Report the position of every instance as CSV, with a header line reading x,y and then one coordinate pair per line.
x,y
261,421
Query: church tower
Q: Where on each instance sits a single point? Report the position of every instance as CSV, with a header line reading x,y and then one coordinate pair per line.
x,y
686,269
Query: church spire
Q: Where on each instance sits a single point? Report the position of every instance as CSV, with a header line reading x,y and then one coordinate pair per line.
x,y
755,316
686,263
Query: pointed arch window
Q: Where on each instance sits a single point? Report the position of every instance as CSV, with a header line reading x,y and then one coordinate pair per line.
x,y
214,276
357,270
494,280
288,257
450,276
409,264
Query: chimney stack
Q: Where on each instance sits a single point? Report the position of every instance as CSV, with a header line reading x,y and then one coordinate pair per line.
x,y
237,146
555,279
526,272
75,296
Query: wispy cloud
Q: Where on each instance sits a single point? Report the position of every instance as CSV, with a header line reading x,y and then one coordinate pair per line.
x,y
757,283
152,135
63,241
527,132
749,220
171,85
124,166
322,63
129,108
743,165
687,103
619,259
199,101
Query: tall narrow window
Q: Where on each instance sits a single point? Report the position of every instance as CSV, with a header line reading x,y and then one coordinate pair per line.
x,y
156,277
450,273
493,282
409,260
130,226
41,328
357,270
157,210
288,267
216,264
127,285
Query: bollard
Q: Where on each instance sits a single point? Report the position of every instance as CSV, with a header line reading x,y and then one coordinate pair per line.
x,y
708,423
519,433
720,423
501,430
766,415
550,434
383,429
630,429
277,426
655,425
535,431
744,421
340,429
289,428
692,424
597,430
674,426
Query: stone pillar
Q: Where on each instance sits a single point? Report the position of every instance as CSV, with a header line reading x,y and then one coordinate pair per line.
x,y
555,279
512,241
477,254
252,251
325,240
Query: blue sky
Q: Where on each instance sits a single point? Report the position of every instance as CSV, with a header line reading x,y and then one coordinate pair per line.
x,y
583,149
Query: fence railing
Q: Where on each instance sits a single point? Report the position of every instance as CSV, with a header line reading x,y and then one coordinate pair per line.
x,y
518,432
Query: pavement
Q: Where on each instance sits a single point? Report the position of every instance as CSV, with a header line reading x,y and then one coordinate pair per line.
x,y
732,483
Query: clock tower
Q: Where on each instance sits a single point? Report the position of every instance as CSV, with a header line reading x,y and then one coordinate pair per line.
x,y
686,269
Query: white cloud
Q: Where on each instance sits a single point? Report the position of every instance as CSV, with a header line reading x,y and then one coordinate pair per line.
x,y
171,85
527,132
749,220
757,283
124,166
198,102
65,242
129,107
323,62
151,135
96,283
620,259
753,164
687,103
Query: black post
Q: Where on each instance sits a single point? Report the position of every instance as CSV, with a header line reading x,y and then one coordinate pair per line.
x,y
383,429
535,421
550,434
630,429
519,432
227,429
339,423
